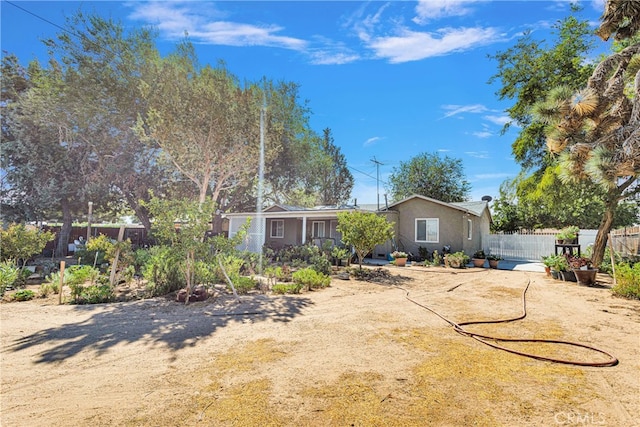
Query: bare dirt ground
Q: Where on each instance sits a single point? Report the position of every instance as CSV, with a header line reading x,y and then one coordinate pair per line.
x,y
354,354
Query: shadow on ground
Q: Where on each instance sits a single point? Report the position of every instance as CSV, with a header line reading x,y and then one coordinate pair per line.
x,y
157,321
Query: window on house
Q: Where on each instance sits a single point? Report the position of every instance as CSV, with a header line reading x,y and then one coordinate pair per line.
x,y
277,228
427,230
318,229
469,229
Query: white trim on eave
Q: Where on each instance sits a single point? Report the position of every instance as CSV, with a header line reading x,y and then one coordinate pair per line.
x,y
429,199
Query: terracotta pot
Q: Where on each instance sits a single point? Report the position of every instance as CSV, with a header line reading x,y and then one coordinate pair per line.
x,y
493,263
548,271
586,277
478,262
401,262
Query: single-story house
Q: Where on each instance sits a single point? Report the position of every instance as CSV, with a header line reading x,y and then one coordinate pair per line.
x,y
418,222
429,223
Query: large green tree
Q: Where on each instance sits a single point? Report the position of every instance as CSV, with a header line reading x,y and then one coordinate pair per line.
x,y
430,175
335,179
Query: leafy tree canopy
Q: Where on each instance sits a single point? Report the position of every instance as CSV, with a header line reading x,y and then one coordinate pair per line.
x,y
430,175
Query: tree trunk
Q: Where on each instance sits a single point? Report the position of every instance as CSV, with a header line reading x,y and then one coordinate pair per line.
x,y
65,230
600,243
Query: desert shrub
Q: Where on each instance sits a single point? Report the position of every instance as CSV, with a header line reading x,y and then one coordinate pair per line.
x,y
8,275
162,271
311,279
627,280
232,265
23,295
140,259
79,274
243,284
102,246
207,273
286,288
49,288
321,264
95,294
251,262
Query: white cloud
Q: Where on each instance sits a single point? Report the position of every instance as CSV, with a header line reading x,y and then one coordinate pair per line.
x,y
453,109
372,141
498,120
482,134
413,45
204,24
434,9
486,176
478,154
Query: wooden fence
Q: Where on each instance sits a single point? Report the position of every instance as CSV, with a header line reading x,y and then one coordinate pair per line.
x,y
530,246
626,241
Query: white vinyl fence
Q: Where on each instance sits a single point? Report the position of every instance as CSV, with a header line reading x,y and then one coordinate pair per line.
x,y
529,246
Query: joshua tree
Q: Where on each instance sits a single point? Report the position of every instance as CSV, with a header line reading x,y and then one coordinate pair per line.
x,y
596,131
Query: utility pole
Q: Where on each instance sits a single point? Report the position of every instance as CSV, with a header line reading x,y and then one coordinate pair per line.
x,y
374,160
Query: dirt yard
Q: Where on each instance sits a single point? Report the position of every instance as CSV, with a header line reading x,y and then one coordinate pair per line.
x,y
354,354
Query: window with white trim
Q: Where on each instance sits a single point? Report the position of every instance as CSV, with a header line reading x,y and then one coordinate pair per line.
x,y
277,228
427,230
469,229
317,229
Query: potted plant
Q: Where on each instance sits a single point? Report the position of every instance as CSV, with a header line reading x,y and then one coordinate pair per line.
x,y
457,259
546,260
400,258
493,260
340,256
558,264
478,258
583,270
568,235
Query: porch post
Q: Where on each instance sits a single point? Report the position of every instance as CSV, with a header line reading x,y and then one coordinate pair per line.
x,y
304,230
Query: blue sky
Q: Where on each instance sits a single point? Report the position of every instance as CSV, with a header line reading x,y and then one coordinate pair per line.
x,y
391,79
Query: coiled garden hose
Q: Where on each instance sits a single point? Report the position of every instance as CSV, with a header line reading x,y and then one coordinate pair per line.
x,y
491,341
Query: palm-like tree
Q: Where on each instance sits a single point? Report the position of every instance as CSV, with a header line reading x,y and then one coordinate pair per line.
x,y
596,132
620,17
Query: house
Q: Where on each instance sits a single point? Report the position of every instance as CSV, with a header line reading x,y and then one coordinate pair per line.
x,y
283,225
419,221
431,224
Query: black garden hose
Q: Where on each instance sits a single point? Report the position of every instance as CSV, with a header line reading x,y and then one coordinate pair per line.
x,y
485,339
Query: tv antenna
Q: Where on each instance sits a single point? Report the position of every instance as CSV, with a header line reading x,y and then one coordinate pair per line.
x,y
374,160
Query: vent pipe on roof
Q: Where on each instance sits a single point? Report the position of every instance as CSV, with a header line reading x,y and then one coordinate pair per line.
x,y
386,202
355,203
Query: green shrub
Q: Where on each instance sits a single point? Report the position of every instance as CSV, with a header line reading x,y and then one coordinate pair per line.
x,y
627,281
48,288
243,284
100,245
321,264
311,279
79,274
8,275
23,295
207,273
286,288
95,294
162,271
140,259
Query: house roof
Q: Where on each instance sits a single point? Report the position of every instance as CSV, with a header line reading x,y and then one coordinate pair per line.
x,y
280,210
474,208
